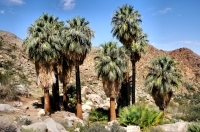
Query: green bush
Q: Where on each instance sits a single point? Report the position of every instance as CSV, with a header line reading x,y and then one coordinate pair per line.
x,y
194,128
99,115
140,115
71,95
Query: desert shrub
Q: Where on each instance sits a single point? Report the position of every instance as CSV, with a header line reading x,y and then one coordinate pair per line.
x,y
96,128
189,106
194,128
102,128
99,115
140,115
6,126
71,95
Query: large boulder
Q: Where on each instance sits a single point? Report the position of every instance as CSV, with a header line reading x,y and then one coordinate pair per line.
x,y
52,126
6,107
96,99
72,120
176,127
39,126
21,90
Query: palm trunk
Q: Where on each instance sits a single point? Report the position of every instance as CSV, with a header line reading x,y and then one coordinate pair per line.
x,y
47,106
128,90
78,94
112,109
65,95
55,93
133,81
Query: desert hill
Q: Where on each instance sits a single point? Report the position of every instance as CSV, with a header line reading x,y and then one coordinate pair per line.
x,y
189,64
16,65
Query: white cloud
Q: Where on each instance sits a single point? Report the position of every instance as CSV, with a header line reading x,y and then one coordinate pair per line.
x,y
164,11
2,12
190,42
12,2
68,4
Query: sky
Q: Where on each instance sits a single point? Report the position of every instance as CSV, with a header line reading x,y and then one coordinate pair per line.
x,y
169,24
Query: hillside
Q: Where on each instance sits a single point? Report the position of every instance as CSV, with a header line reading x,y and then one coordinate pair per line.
x,y
15,66
11,52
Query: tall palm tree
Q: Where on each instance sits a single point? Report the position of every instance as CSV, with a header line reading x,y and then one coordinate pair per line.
x,y
77,45
44,48
111,66
127,30
163,75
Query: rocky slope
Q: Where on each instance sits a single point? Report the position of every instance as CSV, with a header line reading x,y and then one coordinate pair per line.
x,y
15,63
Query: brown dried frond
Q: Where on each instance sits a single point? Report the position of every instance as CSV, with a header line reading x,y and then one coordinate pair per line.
x,y
46,75
111,88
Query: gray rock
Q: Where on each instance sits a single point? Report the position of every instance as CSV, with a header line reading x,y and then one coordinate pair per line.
x,y
133,129
85,115
41,112
21,90
36,126
52,126
17,104
96,99
6,107
86,108
176,127
60,127
72,120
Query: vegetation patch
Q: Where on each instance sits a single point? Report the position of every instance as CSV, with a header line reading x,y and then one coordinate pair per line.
x,y
140,115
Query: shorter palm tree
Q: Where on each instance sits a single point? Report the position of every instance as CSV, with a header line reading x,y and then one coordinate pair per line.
x,y
111,66
163,75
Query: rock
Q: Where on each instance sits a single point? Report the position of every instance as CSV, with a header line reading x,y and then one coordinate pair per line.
x,y
60,127
36,126
21,90
85,115
17,104
133,129
86,108
41,112
176,127
6,107
89,103
52,126
72,120
96,99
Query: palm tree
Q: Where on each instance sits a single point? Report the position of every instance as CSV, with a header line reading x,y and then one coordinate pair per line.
x,y
163,75
127,30
111,66
77,45
44,48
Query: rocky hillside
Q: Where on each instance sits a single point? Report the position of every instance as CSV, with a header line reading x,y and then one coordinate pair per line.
x,y
13,63
13,59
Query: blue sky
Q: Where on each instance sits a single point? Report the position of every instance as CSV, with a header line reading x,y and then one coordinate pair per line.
x,y
170,24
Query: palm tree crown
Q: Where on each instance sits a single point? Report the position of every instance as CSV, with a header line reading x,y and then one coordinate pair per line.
x,y
111,66
43,41
126,25
163,75
77,39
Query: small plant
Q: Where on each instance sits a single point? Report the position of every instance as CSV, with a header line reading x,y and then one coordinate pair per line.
x,y
99,115
194,128
140,115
